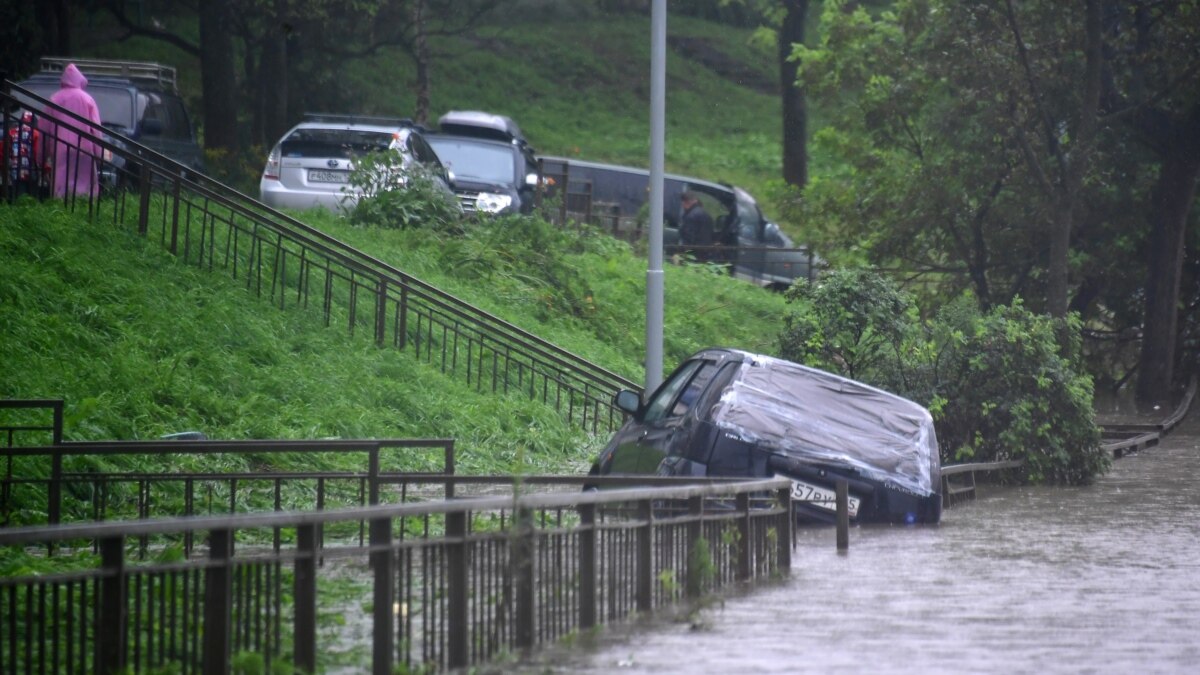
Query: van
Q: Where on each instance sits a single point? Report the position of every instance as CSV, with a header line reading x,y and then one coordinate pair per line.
x,y
759,251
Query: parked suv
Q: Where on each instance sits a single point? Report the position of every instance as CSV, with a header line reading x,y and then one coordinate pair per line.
x,y
495,170
136,100
311,165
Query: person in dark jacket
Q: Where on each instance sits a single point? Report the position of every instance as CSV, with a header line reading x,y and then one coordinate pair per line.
x,y
695,225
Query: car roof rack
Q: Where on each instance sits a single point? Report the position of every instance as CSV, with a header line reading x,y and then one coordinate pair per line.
x,y
164,75
360,119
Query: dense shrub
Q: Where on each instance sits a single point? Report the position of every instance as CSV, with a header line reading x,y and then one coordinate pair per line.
x,y
999,385
398,198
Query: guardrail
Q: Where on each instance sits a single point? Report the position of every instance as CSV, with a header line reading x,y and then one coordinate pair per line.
x,y
1122,439
279,258
958,480
445,585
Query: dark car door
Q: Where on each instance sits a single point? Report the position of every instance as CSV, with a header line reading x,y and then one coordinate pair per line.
x,y
665,426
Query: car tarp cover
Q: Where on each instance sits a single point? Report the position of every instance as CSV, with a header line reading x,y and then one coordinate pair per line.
x,y
811,415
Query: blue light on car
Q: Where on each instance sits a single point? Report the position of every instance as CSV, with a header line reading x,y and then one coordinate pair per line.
x,y
490,202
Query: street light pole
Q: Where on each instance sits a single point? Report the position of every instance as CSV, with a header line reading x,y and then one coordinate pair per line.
x,y
654,271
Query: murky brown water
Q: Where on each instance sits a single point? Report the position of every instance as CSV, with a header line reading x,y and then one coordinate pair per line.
x,y
1102,579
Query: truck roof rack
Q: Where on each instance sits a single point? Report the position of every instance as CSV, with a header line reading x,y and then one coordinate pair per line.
x,y
164,75
359,119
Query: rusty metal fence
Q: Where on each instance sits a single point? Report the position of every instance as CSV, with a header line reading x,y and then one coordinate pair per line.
x,y
290,264
442,585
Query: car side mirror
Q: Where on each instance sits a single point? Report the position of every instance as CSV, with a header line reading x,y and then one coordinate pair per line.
x,y
629,401
531,179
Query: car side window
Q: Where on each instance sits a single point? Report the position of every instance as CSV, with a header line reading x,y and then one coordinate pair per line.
x,y
695,387
657,408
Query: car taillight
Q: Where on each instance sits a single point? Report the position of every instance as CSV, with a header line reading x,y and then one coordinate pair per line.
x,y
271,170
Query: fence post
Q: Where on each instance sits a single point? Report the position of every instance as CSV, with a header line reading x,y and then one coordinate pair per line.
x,y
403,330
522,560
448,468
143,198
784,532
456,582
373,475
695,533
383,562
218,602
381,312
111,630
843,515
587,566
745,570
645,557
305,591
175,218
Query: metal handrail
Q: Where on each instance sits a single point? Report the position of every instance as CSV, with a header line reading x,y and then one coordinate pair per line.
x,y
394,286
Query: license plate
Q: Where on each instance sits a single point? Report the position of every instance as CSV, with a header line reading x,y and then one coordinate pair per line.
x,y
321,176
821,498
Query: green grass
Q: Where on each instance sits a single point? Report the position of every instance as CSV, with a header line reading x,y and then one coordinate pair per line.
x,y
139,345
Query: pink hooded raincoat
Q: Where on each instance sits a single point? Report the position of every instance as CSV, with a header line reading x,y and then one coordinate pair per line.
x,y
74,155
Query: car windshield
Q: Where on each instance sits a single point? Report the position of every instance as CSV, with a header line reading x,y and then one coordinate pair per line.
x,y
480,161
343,143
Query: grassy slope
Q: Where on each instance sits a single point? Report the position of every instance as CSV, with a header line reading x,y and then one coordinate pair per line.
x,y
139,345
576,86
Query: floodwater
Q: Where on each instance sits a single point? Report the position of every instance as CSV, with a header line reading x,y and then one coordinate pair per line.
x,y
1101,579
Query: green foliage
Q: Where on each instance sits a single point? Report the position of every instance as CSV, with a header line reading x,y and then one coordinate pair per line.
x,y
701,569
850,320
384,193
1010,393
997,383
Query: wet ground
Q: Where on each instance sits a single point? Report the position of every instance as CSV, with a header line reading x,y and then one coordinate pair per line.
x,y
1099,579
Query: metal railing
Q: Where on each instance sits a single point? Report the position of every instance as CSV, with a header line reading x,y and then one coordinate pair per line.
x,y
279,258
441,585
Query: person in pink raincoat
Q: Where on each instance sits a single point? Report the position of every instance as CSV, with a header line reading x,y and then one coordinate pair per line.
x,y
74,155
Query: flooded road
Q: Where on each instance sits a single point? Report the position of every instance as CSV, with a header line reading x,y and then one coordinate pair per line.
x,y
1102,579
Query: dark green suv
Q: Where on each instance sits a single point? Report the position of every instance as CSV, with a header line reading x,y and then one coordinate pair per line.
x,y
136,100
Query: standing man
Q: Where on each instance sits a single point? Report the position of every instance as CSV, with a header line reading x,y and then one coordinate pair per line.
x,y
695,225
74,154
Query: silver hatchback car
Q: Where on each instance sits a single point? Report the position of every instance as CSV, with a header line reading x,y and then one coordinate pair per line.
x,y
311,165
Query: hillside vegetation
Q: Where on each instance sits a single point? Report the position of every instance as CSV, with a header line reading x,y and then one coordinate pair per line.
x,y
576,83
140,345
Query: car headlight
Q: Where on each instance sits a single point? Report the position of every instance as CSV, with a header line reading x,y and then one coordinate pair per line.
x,y
490,202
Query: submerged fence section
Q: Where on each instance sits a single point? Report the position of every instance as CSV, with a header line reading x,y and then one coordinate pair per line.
x,y
290,264
438,585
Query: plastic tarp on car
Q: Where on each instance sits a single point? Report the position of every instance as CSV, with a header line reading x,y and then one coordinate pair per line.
x,y
812,415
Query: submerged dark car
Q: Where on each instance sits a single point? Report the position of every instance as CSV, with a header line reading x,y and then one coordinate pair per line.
x,y
725,412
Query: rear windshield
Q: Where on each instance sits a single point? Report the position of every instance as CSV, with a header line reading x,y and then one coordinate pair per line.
x,y
343,143
116,105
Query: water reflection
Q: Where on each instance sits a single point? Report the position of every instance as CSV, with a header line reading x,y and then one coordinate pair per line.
x,y
1098,579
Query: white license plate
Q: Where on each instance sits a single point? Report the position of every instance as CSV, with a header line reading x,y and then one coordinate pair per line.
x,y
822,498
320,176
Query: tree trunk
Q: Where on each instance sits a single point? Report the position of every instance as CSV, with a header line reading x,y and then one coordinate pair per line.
x,y
1173,196
273,82
421,57
218,78
54,16
795,113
